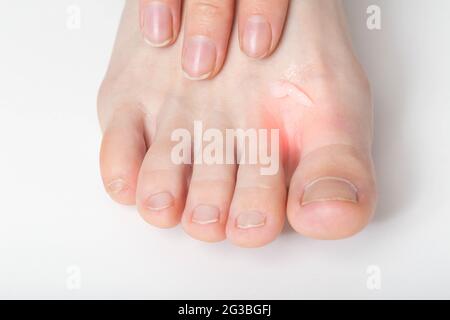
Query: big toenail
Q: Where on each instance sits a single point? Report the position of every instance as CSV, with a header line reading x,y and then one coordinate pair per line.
x,y
117,186
160,201
329,189
204,214
252,219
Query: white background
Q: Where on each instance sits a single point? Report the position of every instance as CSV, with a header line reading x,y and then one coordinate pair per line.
x,y
56,222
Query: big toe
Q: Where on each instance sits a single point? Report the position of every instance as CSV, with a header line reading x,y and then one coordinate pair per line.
x,y
332,193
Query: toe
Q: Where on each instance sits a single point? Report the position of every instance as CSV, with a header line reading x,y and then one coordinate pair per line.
x,y
332,193
123,149
257,211
208,202
212,182
161,190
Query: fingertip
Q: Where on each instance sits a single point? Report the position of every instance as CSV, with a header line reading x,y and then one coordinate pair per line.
x,y
160,21
260,26
207,33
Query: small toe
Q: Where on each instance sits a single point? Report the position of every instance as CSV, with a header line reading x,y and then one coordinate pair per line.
x,y
208,202
212,183
122,151
257,211
162,182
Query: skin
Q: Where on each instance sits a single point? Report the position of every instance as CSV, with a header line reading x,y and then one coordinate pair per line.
x,y
260,25
145,97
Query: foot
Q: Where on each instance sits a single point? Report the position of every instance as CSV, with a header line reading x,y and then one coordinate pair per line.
x,y
312,89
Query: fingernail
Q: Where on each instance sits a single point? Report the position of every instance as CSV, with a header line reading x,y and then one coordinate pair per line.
x,y
251,219
157,24
160,201
199,58
330,189
117,186
204,214
257,37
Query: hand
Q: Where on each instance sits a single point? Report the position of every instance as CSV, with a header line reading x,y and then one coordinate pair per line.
x,y
208,25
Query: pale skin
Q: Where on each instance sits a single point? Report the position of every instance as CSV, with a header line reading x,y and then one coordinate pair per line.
x,y
325,187
260,25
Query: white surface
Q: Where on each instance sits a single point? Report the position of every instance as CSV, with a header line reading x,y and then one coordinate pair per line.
x,y
54,213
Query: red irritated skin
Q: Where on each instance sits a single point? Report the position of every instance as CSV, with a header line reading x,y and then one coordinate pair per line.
x,y
324,146
286,105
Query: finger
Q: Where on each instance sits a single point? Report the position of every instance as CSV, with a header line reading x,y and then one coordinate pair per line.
x,y
160,21
208,28
261,24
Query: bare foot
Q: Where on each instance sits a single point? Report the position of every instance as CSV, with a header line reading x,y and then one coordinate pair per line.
x,y
312,89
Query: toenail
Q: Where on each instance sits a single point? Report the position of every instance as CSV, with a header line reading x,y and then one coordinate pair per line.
x,y
157,24
160,201
252,219
199,58
117,186
204,214
257,37
330,189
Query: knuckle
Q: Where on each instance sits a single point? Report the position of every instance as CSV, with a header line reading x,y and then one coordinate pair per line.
x,y
207,9
211,183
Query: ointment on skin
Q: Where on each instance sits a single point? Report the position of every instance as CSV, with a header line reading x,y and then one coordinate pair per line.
x,y
283,88
291,99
